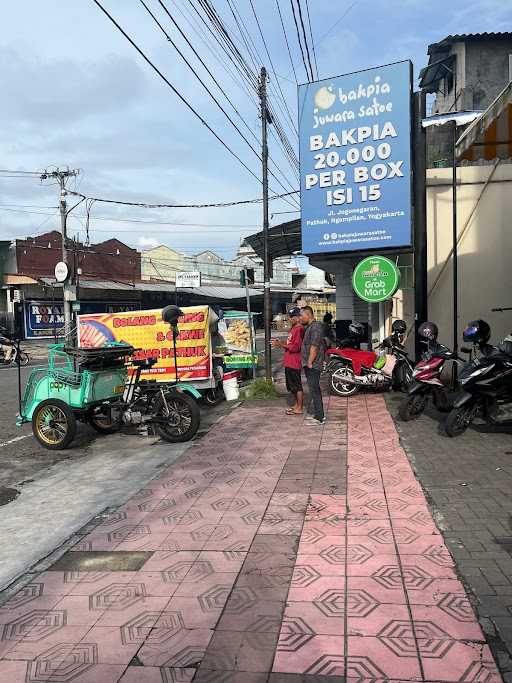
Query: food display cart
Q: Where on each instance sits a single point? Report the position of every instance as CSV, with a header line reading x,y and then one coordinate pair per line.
x,y
234,330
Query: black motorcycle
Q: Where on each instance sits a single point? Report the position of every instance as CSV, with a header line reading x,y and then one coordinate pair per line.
x,y
485,382
16,355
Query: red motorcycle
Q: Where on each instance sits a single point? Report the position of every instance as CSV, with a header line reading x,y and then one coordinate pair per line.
x,y
350,368
433,377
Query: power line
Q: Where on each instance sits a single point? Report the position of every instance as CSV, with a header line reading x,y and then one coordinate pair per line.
x,y
198,77
180,206
338,20
175,91
312,38
286,40
305,38
309,78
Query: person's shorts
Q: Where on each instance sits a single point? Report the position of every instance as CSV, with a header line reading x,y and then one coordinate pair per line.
x,y
293,380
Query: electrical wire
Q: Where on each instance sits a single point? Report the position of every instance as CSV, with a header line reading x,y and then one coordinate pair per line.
x,y
312,38
286,40
305,38
308,76
180,206
175,91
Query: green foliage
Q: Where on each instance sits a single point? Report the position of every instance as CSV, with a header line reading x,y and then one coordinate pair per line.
x,y
260,390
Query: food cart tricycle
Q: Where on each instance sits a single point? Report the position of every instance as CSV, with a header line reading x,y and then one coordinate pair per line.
x,y
102,386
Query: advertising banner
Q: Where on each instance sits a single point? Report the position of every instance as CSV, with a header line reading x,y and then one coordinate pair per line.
x,y
45,319
146,331
355,161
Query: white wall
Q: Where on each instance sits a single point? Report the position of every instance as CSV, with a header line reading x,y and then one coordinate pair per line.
x,y
485,252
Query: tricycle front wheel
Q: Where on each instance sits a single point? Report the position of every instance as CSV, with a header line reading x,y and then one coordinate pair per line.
x,y
182,417
54,424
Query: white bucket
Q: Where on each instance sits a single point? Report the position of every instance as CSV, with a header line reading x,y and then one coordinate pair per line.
x,y
230,386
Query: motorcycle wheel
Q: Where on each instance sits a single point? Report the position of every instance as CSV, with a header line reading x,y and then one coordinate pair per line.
x,y
183,417
441,402
412,407
458,421
340,387
24,359
54,424
213,396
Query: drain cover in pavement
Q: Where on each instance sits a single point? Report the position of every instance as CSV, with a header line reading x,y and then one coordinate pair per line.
x,y
7,495
102,560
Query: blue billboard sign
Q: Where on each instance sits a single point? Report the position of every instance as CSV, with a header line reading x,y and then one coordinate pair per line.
x,y
355,161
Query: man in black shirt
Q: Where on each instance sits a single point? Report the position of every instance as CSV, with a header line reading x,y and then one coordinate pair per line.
x,y
313,352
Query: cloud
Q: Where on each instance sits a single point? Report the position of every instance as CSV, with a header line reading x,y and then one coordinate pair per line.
x,y
63,91
147,242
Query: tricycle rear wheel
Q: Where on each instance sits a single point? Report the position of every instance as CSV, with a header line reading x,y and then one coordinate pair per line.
x,y
54,424
183,416
103,423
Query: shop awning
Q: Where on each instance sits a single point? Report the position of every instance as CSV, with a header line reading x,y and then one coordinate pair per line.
x,y
432,74
284,240
490,135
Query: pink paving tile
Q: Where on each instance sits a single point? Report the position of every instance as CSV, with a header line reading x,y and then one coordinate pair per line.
x,y
322,617
452,619
367,564
310,654
155,584
315,542
328,525
155,674
51,637
77,610
142,614
429,565
217,583
420,520
223,561
319,564
164,559
435,592
57,583
450,661
113,644
240,540
374,658
24,602
382,592
183,648
431,546
180,541
192,612
366,617
13,671
366,526
149,542
308,585
378,542
92,583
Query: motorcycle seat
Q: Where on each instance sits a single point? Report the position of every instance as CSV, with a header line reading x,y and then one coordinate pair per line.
x,y
358,358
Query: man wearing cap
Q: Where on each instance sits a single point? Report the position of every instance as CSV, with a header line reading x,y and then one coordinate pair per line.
x,y
292,361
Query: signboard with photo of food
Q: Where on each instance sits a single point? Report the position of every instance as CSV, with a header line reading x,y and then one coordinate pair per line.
x,y
235,331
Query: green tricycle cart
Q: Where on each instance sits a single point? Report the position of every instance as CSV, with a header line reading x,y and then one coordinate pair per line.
x,y
97,386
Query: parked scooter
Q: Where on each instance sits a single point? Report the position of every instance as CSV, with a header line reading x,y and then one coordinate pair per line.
x,y
485,383
432,376
351,369
5,340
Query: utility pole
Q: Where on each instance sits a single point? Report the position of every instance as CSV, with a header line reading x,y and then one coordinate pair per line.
x,y
267,266
61,176
249,316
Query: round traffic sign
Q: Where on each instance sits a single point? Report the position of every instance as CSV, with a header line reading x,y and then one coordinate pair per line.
x,y
375,279
61,271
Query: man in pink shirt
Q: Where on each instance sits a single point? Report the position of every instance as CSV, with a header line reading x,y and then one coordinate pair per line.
x,y
292,361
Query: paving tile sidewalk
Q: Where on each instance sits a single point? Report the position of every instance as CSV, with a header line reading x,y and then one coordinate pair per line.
x,y
271,551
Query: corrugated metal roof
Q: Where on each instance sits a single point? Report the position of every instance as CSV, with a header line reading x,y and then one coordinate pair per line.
x,y
220,292
93,284
459,37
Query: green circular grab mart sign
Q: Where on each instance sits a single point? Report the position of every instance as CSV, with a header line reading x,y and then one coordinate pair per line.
x,y
375,279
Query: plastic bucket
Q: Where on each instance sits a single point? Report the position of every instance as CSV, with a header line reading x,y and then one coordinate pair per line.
x,y
230,386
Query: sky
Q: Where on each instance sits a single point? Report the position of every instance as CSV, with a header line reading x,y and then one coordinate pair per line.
x,y
76,94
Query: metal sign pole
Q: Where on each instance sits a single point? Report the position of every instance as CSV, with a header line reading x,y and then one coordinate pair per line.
x,y
454,244
251,336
